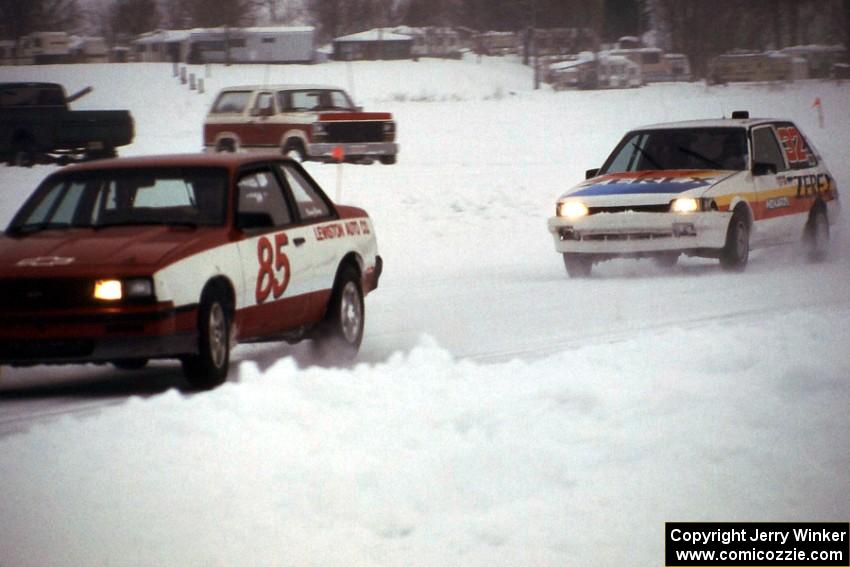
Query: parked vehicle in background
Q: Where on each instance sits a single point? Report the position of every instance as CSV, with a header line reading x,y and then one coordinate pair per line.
x,y
131,259
305,122
708,188
36,124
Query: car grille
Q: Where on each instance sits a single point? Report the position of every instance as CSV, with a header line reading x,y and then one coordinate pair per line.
x,y
354,131
663,208
22,295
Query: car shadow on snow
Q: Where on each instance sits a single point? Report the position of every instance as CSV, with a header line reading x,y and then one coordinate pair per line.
x,y
90,381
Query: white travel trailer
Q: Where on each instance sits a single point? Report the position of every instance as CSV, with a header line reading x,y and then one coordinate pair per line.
x,y
251,45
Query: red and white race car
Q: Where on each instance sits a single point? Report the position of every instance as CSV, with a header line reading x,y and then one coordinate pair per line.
x,y
710,188
130,259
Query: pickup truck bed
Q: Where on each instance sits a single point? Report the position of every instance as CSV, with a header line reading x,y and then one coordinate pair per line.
x,y
37,125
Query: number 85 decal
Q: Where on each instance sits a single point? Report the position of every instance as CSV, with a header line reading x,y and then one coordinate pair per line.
x,y
272,261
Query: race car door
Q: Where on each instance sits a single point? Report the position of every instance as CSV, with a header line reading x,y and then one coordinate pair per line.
x,y
772,201
327,238
276,266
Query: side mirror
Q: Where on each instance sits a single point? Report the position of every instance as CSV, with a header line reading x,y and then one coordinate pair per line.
x,y
251,221
591,173
763,168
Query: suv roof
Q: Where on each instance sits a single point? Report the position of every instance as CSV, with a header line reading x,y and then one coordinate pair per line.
x,y
282,87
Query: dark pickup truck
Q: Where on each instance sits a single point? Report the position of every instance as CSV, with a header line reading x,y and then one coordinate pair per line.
x,y
37,126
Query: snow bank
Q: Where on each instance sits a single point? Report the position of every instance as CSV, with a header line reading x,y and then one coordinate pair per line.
x,y
573,459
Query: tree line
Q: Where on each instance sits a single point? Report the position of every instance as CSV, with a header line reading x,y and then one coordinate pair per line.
x,y
700,29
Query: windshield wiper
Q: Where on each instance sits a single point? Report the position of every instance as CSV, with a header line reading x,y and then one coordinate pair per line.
x,y
698,155
648,157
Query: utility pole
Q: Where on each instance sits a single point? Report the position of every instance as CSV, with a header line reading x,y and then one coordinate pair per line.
x,y
533,42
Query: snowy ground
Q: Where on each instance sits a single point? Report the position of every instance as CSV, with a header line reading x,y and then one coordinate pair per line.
x,y
501,413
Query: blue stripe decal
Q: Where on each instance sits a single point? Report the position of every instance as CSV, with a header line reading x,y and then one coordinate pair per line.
x,y
639,187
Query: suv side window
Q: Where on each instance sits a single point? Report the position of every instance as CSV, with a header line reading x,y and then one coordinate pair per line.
x,y
311,205
260,192
265,102
766,149
231,102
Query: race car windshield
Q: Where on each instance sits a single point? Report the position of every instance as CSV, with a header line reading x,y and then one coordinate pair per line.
x,y
97,199
691,148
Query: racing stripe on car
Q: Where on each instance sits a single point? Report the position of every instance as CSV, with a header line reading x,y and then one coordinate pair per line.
x,y
654,182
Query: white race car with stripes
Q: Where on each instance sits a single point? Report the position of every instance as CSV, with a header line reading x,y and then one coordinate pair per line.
x,y
709,188
130,259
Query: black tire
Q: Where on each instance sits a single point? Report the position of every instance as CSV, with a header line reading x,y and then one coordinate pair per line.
x,y
130,363
666,260
225,145
23,153
816,236
105,153
387,160
294,149
209,367
736,252
578,265
341,332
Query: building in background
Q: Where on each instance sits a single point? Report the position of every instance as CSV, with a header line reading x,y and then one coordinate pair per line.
x,y
374,44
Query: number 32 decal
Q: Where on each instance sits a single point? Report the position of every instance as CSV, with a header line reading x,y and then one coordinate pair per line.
x,y
272,261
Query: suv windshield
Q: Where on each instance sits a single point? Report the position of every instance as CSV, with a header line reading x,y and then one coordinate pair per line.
x,y
680,148
96,199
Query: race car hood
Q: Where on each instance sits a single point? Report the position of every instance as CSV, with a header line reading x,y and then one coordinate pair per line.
x,y
83,251
645,187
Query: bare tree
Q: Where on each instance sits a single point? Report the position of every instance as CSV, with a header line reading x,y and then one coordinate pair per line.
x,y
20,18
230,13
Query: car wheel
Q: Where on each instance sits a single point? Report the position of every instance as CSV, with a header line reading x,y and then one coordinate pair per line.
x,y
225,145
209,367
294,150
23,153
736,252
105,153
577,265
388,160
816,238
341,332
130,363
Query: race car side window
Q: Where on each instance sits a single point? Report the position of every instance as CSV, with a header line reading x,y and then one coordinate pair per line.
x,y
261,194
796,147
311,205
766,149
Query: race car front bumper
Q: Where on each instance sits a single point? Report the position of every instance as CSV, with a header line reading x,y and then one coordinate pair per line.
x,y
639,233
100,335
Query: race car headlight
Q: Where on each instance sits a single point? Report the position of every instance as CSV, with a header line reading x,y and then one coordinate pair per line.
x,y
108,290
116,290
572,209
685,205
